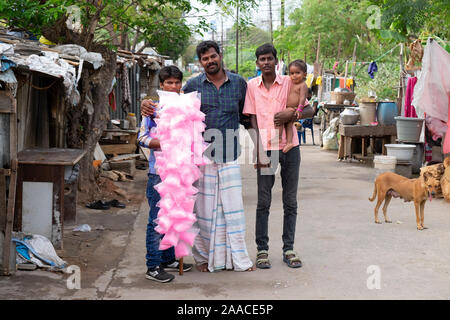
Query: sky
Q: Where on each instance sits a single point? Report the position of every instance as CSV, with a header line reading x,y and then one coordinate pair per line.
x,y
261,15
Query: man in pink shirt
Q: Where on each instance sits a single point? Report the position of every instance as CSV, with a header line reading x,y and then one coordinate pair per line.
x,y
265,102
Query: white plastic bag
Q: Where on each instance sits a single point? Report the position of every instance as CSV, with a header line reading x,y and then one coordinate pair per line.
x,y
329,137
83,228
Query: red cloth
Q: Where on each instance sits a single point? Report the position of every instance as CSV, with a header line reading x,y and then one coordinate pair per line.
x,y
446,146
112,100
410,111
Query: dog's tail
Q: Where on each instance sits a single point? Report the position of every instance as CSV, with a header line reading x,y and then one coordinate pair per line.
x,y
374,192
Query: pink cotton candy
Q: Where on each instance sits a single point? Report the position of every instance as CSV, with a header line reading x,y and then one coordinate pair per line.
x,y
182,226
169,240
188,237
182,250
188,205
179,130
166,203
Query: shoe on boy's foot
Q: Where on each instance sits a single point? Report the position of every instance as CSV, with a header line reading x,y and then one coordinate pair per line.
x,y
158,274
175,266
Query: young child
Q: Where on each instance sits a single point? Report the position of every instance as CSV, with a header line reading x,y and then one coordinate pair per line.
x,y
297,96
170,80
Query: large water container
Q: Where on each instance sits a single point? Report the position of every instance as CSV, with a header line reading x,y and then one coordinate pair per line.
x,y
386,113
409,129
367,112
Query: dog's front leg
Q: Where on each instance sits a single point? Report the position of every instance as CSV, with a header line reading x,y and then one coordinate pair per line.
x,y
422,214
417,206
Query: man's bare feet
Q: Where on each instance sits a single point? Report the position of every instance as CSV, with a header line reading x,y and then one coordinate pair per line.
x,y
252,268
288,147
202,267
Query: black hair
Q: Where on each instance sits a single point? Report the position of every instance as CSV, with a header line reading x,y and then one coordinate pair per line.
x,y
300,64
265,49
170,72
204,46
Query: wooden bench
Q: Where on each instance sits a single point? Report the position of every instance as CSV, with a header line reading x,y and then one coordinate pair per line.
x,y
367,134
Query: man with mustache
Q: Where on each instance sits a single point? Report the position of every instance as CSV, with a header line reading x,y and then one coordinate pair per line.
x,y
219,207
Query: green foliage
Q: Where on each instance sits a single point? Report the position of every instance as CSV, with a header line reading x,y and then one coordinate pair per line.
x,y
337,22
30,15
160,23
402,18
190,53
384,83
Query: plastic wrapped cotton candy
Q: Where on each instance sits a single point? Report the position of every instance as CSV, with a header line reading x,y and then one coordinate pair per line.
x,y
179,130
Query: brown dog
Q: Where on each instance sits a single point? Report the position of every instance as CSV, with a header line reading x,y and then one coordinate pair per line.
x,y
389,184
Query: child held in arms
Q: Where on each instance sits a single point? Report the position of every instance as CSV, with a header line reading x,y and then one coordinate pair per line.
x,y
296,98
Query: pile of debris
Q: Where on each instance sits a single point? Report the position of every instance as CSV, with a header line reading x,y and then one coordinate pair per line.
x,y
119,168
438,175
445,179
63,61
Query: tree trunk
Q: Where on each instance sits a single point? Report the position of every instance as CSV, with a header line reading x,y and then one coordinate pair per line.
x,y
87,120
112,33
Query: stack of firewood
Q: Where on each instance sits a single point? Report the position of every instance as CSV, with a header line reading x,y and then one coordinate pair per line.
x,y
445,180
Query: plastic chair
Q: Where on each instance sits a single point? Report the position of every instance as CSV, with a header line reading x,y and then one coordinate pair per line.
x,y
306,123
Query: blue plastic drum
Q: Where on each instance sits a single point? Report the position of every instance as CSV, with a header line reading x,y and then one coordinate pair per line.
x,y
386,113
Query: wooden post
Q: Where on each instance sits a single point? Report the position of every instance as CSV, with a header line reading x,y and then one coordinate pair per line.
x,y
237,38
316,63
346,72
318,49
339,50
400,93
12,188
180,267
353,66
320,93
270,22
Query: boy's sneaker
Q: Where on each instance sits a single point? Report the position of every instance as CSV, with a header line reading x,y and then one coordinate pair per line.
x,y
175,266
158,274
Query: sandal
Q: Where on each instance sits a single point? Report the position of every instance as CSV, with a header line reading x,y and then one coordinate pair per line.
x,y
116,204
262,260
98,205
291,259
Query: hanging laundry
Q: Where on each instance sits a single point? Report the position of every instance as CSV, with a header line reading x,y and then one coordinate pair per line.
x,y
372,69
410,111
112,100
428,152
446,146
432,90
336,64
349,83
126,98
309,80
319,80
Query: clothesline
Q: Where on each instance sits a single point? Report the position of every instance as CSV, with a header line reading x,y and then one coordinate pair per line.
x,y
387,52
